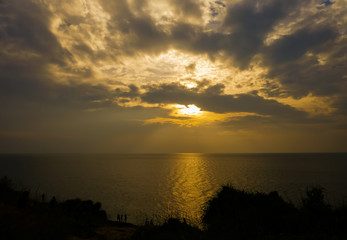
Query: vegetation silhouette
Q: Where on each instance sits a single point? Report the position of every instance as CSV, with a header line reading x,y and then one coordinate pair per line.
x,y
238,214
25,218
230,214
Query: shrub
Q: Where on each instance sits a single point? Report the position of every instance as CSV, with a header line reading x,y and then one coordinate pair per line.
x,y
234,212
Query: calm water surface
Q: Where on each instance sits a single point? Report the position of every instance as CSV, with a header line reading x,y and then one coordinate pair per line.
x,y
155,186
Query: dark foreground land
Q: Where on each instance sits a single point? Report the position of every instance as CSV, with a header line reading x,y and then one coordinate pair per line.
x,y
230,214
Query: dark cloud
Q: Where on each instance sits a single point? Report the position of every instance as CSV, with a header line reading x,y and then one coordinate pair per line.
x,y
132,93
324,4
32,46
249,22
294,46
28,51
245,27
298,81
220,3
26,32
139,32
294,61
30,82
217,89
193,39
213,99
258,122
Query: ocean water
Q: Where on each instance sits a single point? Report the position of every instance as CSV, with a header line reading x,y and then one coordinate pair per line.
x,y
156,186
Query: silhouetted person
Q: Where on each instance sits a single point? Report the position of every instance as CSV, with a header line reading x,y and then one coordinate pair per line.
x,y
151,222
118,217
147,222
125,218
43,197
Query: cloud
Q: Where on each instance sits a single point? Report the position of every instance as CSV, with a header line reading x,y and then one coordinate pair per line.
x,y
324,4
31,55
249,22
116,64
139,32
299,62
212,98
294,46
243,31
341,104
308,61
191,67
27,49
187,8
26,32
220,3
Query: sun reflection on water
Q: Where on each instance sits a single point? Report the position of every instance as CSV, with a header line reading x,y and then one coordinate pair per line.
x,y
192,184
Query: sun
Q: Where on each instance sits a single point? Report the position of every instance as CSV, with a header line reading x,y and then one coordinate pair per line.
x,y
189,110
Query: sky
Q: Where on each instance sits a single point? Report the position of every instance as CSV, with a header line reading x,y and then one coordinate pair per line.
x,y
156,76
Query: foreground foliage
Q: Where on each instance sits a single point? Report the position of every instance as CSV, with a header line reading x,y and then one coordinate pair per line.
x,y
24,218
237,214
230,214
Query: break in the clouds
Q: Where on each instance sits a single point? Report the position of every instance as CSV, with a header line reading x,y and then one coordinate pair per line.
x,y
180,63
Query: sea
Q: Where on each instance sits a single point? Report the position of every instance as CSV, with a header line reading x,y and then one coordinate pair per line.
x,y
158,186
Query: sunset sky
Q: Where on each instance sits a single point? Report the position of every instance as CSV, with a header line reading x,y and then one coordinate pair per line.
x,y
173,76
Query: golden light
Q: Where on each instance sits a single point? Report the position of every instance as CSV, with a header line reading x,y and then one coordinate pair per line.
x,y
191,115
190,110
190,84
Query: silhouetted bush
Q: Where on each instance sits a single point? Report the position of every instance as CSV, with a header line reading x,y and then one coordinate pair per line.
x,y
25,218
316,215
237,213
7,193
84,210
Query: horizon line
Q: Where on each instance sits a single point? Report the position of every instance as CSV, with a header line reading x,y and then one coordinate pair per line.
x,y
101,153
